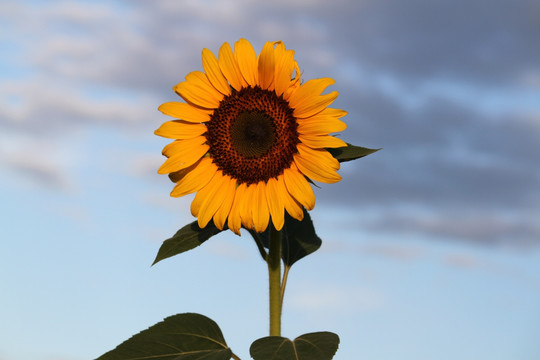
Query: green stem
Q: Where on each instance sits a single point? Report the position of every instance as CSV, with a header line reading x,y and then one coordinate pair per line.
x,y
274,278
284,283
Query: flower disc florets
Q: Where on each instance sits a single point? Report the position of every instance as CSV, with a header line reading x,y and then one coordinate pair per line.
x,y
252,135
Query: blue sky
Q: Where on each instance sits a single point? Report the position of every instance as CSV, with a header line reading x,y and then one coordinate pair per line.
x,y
431,247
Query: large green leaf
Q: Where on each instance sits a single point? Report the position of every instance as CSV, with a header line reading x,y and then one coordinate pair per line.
x,y
313,346
298,238
180,337
350,152
187,238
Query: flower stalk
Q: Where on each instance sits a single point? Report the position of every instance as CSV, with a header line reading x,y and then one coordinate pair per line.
x,y
249,141
274,278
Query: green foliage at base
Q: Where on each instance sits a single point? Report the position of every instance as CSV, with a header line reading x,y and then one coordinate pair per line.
x,y
180,337
313,346
192,336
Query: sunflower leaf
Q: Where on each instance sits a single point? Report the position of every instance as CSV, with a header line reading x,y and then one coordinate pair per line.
x,y
298,239
350,152
313,346
262,240
186,336
187,238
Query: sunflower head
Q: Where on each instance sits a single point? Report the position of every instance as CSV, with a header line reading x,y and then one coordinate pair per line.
x,y
249,137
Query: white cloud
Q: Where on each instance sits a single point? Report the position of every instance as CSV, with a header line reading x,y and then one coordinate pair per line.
x,y
495,227
221,11
36,163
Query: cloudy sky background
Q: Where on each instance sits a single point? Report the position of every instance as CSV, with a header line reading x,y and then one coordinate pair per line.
x,y
431,247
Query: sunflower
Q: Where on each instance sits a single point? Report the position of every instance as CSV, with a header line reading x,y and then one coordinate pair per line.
x,y
250,137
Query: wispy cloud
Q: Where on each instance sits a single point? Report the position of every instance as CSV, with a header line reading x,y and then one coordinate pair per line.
x,y
36,163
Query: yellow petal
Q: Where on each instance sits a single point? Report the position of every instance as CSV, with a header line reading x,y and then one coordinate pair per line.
x,y
284,68
320,125
322,141
266,67
235,222
185,112
338,113
261,215
213,72
198,90
179,129
307,101
182,146
178,162
298,187
215,198
176,176
229,67
308,90
201,196
247,61
195,177
315,105
295,81
292,206
322,157
318,165
294,84
275,203
229,190
182,153
246,207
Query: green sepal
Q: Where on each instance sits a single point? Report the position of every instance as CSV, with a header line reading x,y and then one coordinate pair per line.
x,y
350,152
187,238
186,336
313,346
298,238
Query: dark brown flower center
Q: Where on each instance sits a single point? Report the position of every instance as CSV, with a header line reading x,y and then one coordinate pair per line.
x,y
252,135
